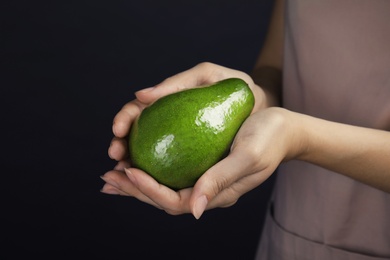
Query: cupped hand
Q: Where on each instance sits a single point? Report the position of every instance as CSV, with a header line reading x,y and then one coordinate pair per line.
x,y
265,139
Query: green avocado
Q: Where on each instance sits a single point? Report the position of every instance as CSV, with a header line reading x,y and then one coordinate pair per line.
x,y
181,135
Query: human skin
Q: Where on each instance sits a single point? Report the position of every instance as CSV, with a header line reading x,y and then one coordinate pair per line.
x,y
270,136
267,138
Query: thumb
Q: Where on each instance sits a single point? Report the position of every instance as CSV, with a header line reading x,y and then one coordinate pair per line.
x,y
170,85
218,178
197,76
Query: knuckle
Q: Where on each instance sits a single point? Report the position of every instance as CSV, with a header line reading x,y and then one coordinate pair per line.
x,y
205,65
219,184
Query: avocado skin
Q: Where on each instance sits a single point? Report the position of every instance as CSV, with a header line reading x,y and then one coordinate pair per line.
x,y
181,135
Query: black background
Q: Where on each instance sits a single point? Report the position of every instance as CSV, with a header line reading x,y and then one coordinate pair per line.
x,y
67,67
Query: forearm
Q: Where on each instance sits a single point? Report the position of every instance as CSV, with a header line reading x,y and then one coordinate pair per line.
x,y
360,153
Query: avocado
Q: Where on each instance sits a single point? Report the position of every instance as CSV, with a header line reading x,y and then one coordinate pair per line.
x,y
181,135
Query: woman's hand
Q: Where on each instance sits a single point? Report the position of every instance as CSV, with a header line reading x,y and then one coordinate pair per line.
x,y
265,139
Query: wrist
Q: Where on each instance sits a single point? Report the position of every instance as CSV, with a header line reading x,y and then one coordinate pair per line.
x,y
287,135
297,137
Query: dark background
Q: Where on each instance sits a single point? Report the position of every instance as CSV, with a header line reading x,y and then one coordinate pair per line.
x,y
67,67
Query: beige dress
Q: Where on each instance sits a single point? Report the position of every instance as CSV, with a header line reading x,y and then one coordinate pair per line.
x,y
337,67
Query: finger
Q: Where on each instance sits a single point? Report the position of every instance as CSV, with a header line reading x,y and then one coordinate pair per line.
x,y
109,189
121,165
230,195
118,182
171,201
202,74
222,175
190,78
124,118
118,149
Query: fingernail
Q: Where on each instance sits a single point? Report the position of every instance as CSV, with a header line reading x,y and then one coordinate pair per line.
x,y
109,190
103,178
110,181
200,206
131,176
